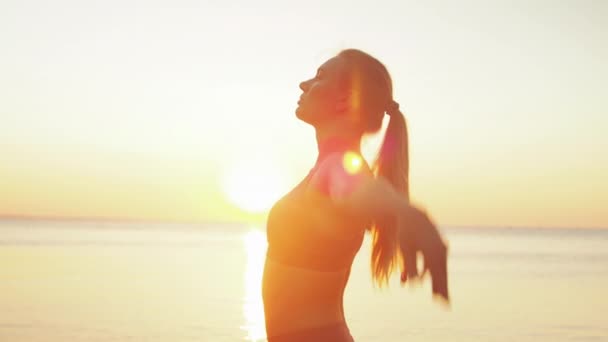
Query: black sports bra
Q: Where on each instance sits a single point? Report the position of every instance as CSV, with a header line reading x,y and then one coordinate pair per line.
x,y
305,229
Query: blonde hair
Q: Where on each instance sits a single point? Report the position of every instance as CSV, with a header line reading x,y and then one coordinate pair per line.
x,y
372,92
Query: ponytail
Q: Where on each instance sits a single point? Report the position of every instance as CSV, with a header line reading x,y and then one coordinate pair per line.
x,y
372,81
392,163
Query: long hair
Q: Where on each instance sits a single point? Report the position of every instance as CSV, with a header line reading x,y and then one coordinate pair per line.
x,y
373,97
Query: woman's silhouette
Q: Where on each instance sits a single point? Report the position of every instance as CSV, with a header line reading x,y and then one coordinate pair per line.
x,y
316,229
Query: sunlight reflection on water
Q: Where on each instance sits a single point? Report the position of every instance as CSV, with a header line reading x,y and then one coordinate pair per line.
x,y
253,310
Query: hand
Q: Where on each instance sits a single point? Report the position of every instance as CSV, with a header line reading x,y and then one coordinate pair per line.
x,y
419,234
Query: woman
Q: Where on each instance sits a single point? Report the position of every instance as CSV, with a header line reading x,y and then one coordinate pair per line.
x,y
315,230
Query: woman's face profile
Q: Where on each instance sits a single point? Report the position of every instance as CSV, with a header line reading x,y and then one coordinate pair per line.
x,y
324,95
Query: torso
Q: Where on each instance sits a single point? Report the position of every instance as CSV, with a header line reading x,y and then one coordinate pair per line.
x,y
312,244
297,299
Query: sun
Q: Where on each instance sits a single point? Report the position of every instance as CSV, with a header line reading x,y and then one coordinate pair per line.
x,y
253,185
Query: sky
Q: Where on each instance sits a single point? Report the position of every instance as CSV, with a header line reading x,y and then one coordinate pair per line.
x,y
183,110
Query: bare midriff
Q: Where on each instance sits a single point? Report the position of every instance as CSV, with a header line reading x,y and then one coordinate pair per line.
x,y
297,299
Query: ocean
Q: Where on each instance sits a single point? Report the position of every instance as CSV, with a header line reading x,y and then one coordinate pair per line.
x,y
113,281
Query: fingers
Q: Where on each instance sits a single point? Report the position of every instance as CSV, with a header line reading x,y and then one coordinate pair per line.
x,y
439,276
434,252
420,234
408,251
409,267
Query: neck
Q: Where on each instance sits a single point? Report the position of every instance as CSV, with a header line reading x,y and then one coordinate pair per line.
x,y
329,142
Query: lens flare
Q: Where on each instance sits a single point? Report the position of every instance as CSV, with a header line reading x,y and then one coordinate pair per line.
x,y
352,162
356,85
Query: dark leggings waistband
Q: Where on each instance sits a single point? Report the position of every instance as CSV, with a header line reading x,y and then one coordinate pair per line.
x,y
330,333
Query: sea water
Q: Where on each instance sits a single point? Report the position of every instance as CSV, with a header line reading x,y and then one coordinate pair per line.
x,y
113,281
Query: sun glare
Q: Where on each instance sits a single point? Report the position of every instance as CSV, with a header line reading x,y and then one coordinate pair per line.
x,y
253,185
352,162
253,308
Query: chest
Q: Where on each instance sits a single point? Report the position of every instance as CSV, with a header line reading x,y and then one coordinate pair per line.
x,y
306,214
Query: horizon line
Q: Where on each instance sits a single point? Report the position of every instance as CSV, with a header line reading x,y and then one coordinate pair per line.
x,y
126,219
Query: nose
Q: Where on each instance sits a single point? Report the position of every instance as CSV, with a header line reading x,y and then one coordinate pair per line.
x,y
304,85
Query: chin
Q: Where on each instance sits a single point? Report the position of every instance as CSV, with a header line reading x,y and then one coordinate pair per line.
x,y
300,114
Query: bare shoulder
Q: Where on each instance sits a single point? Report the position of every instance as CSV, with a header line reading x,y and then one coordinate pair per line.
x,y
350,184
341,174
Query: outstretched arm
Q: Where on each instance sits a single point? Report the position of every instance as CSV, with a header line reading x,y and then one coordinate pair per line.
x,y
350,184
374,199
418,233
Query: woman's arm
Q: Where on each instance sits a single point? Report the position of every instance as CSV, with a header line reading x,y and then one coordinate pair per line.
x,y
419,233
357,191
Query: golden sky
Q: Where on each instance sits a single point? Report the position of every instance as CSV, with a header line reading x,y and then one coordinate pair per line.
x,y
160,109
